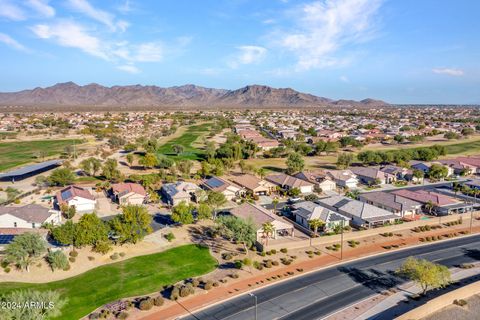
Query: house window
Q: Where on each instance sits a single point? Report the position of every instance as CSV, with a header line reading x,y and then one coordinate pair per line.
x,y
15,224
33,225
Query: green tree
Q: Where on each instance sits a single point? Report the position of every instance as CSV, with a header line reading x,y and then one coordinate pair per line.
x,y
25,249
67,211
239,230
65,233
132,225
210,149
185,166
438,171
52,308
61,177
344,160
57,260
130,159
183,213
268,230
295,163
419,174
216,200
204,211
89,230
315,224
150,160
91,165
426,274
110,170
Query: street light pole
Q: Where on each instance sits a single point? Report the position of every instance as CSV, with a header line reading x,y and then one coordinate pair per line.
x,y
341,241
255,298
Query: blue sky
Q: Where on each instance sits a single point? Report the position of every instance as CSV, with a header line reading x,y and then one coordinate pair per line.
x,y
401,51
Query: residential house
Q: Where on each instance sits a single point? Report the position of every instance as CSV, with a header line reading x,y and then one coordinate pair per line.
x,y
287,182
373,176
30,216
306,211
253,184
229,189
361,214
343,178
319,178
129,193
74,196
404,207
435,203
179,191
260,216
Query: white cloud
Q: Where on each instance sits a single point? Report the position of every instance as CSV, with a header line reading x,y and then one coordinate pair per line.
x,y
9,41
70,34
129,68
247,55
344,79
125,7
449,71
324,27
148,52
42,7
99,15
11,11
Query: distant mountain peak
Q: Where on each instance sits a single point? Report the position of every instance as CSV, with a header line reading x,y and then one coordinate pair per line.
x,y
69,94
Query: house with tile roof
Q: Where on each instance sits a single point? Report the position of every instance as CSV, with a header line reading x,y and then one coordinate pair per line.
x,y
74,196
306,211
319,178
343,178
30,216
128,193
287,182
176,192
361,214
229,189
259,216
392,202
253,184
435,203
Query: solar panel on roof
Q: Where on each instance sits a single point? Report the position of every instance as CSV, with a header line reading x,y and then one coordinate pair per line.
x,y
214,182
6,239
67,194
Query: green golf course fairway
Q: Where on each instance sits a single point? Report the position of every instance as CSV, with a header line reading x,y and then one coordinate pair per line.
x,y
136,276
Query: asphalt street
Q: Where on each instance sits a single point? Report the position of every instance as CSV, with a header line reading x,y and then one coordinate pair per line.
x,y
321,293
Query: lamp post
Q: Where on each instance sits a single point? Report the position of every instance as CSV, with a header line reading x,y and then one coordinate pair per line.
x,y
255,298
341,241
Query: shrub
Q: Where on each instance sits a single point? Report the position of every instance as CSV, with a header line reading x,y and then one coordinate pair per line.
x,y
247,262
66,268
309,252
318,252
195,282
175,294
284,250
460,302
146,304
215,283
257,265
122,254
158,301
273,251
467,265
268,264
262,253
73,254
227,256
234,275
275,263
4,263
170,236
238,264
71,259
122,315
300,269
208,285
114,256
184,291
94,316
90,258
7,269
102,247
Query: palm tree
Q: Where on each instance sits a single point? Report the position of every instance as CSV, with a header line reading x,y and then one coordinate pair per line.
x,y
457,187
429,206
268,229
275,203
315,224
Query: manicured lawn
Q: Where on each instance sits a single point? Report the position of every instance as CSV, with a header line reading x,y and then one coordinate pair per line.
x,y
13,154
132,277
463,148
189,140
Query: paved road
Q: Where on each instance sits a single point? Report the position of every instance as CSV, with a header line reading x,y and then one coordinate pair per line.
x,y
318,294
